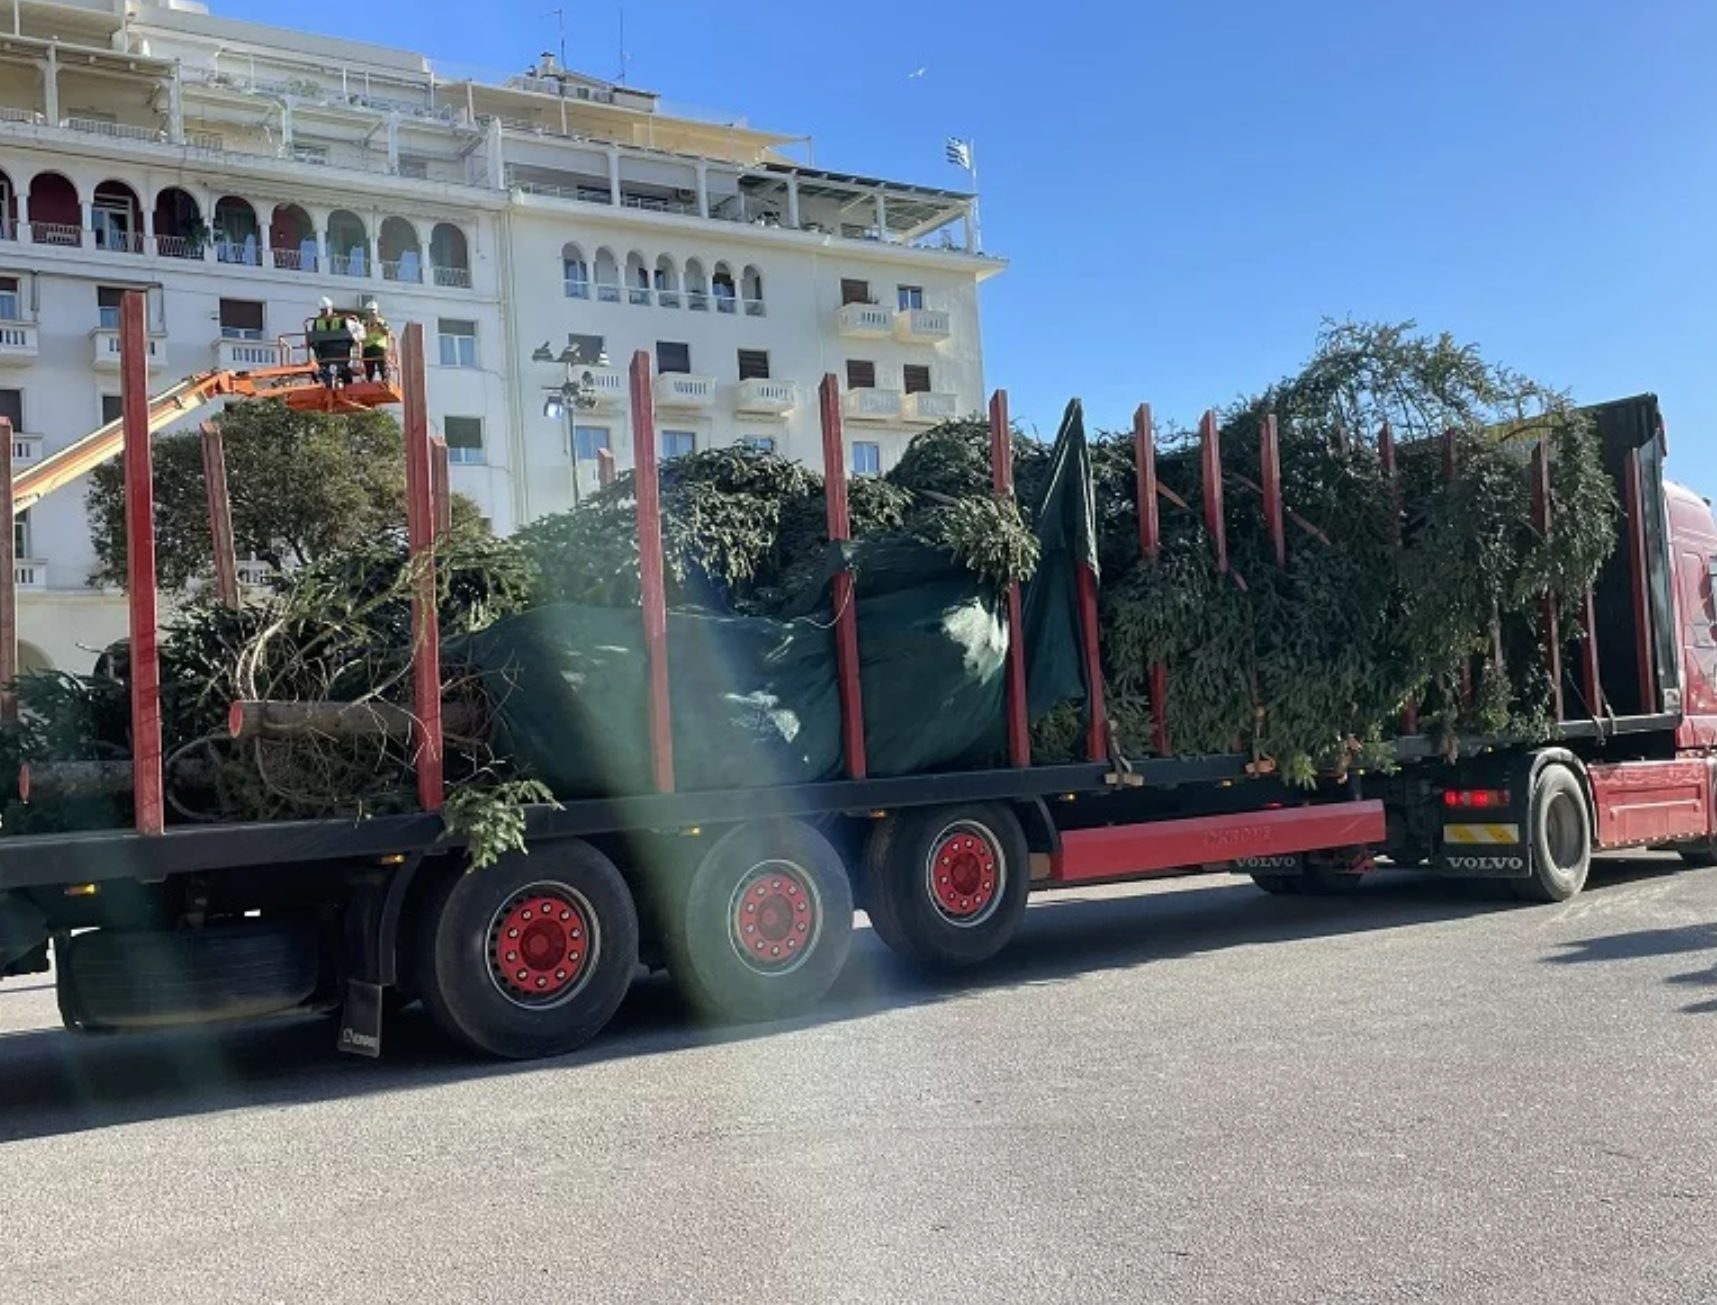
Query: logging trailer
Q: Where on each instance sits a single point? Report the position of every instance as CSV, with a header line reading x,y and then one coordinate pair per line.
x,y
747,895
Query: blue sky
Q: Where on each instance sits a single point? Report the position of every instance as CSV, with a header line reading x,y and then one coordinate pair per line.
x,y
1185,190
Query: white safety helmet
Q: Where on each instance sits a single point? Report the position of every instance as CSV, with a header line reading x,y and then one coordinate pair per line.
x,y
372,307
327,304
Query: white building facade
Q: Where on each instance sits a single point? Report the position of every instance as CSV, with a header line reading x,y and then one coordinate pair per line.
x,y
238,173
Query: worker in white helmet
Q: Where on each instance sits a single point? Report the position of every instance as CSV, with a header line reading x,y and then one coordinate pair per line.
x,y
331,340
377,338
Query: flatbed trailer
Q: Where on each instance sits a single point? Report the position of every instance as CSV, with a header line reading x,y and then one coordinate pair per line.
x,y
747,894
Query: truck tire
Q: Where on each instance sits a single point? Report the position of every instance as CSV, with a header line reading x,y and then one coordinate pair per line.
x,y
110,980
946,887
530,956
1559,836
764,925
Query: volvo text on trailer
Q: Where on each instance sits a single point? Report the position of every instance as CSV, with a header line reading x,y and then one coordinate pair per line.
x,y
748,895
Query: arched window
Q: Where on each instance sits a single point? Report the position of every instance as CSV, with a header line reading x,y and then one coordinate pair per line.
x,y
292,237
116,218
607,277
667,282
348,244
637,279
56,212
237,235
575,272
179,229
751,290
726,293
399,252
450,256
697,286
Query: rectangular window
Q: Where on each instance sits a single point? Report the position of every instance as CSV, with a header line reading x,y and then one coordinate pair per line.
x,y
317,154
11,303
464,436
911,296
854,292
12,408
588,441
754,364
678,444
759,443
867,458
916,377
107,300
241,319
861,374
21,534
458,342
416,169
587,350
673,356
112,408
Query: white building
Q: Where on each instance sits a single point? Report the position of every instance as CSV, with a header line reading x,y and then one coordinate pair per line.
x,y
240,172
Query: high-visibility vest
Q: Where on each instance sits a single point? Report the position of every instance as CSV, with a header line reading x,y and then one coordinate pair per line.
x,y
376,335
329,328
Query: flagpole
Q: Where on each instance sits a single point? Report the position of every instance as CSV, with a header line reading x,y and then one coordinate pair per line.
x,y
972,168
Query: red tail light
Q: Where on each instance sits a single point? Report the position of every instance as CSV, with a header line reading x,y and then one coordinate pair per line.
x,y
1476,799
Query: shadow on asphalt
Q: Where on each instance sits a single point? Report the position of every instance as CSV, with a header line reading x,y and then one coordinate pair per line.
x,y
1642,943
52,1082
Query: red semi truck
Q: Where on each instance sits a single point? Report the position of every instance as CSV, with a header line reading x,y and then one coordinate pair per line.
x,y
747,895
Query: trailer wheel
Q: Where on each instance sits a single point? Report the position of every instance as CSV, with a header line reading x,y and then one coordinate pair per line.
x,y
765,924
946,887
531,956
1559,828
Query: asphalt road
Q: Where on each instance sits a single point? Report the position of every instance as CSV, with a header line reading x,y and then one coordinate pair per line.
x,y
1189,1092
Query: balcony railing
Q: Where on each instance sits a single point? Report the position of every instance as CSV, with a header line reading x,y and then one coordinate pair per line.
x,y
66,234
349,262
30,573
406,269
27,116
725,302
607,292
930,406
295,260
922,325
113,130
26,449
697,300
684,390
872,404
454,278
609,386
118,242
577,289
18,342
759,395
240,253
106,346
865,321
237,355
653,204
179,247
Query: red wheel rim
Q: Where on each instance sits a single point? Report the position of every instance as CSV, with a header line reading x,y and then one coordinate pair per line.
x,y
541,944
776,917
965,874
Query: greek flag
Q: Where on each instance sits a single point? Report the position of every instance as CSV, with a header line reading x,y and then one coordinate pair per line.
x,y
960,153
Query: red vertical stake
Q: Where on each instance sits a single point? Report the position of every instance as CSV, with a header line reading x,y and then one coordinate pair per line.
x,y
1097,717
846,612
1451,470
1150,548
1541,520
8,580
1270,472
1002,481
147,783
652,583
441,482
1634,505
420,537
220,516
1589,658
1210,450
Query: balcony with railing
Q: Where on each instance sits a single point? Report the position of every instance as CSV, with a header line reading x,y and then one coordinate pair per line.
x,y
295,260
239,253
452,278
407,270
105,341
685,390
115,240
930,406
922,325
763,397
112,130
18,342
608,387
26,449
67,235
865,321
179,247
30,573
871,404
235,354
